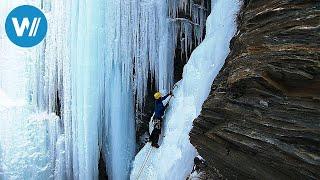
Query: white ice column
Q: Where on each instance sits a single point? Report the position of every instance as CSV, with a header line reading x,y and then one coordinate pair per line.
x,y
87,63
119,134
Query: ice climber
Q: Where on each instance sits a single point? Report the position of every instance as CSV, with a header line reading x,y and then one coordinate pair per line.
x,y
157,118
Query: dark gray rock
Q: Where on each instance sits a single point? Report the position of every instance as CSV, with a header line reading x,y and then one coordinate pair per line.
x,y
262,118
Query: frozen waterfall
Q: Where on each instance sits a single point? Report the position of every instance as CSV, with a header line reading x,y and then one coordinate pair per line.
x,y
79,93
174,158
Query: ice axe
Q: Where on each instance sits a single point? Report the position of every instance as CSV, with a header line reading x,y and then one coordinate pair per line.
x,y
176,85
172,95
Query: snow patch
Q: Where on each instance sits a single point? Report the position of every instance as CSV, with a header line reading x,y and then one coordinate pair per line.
x,y
195,175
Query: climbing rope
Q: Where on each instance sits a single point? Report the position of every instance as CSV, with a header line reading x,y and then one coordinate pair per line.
x,y
150,149
144,162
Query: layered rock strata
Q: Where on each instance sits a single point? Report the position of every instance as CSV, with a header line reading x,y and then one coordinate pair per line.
x,y
262,118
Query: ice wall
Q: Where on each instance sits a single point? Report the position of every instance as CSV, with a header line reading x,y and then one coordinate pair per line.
x,y
152,49
87,78
81,90
138,43
14,111
174,158
31,134
189,28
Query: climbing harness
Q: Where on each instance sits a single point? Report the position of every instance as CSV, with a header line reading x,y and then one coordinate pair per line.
x,y
144,162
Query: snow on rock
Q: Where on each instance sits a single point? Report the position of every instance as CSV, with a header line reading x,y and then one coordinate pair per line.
x,y
174,158
195,176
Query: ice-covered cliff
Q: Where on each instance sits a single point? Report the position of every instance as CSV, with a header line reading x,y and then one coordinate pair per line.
x,y
174,158
78,94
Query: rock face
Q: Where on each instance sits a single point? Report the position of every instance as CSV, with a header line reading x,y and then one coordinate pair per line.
x,y
262,118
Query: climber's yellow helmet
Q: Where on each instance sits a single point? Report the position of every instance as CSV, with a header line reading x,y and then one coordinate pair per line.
x,y
157,95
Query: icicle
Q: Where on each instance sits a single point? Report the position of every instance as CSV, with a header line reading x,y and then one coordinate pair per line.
x,y
199,17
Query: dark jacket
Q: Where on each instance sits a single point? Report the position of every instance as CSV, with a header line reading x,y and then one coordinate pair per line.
x,y
159,107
